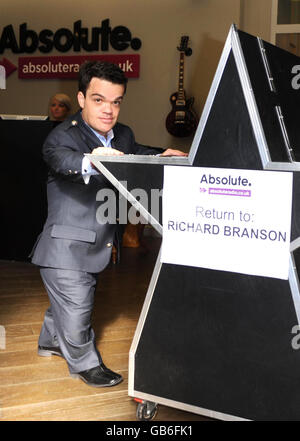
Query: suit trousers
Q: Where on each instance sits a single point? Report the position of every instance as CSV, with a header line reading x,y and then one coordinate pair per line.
x,y
67,323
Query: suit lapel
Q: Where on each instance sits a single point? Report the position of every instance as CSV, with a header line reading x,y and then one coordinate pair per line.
x,y
86,134
116,142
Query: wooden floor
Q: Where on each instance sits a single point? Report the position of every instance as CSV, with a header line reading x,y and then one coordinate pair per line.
x,y
34,388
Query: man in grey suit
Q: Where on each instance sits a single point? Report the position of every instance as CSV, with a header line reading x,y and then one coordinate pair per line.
x,y
73,247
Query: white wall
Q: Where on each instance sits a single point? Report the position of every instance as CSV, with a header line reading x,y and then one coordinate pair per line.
x,y
159,24
256,18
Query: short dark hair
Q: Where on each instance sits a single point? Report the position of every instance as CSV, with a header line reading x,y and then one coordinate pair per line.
x,y
100,69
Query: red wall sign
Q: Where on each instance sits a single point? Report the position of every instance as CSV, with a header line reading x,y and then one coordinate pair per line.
x,y
67,67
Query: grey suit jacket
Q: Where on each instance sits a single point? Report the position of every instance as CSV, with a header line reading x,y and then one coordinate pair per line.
x,y
72,238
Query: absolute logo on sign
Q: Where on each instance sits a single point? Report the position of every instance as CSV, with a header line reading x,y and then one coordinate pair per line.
x,y
80,38
64,40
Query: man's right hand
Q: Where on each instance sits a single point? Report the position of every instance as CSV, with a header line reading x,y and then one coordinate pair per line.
x,y
107,151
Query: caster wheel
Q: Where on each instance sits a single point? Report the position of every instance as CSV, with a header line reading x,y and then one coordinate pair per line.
x,y
146,411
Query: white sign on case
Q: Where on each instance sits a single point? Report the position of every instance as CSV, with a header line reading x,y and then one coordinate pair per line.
x,y
228,219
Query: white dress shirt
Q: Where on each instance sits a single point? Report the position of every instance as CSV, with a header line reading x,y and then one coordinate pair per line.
x,y
86,168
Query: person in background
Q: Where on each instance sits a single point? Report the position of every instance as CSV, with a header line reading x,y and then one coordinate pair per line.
x,y
59,107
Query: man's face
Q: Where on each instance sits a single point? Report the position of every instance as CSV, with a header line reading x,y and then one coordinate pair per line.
x,y
101,105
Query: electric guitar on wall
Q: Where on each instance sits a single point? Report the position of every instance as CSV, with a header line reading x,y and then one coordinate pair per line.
x,y
182,120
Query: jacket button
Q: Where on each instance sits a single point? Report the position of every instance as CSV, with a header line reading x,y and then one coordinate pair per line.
x,y
109,245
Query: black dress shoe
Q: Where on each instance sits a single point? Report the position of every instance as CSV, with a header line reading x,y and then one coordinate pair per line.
x,y
99,376
47,351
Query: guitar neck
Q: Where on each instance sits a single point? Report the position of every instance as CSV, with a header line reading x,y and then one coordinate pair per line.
x,y
181,94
